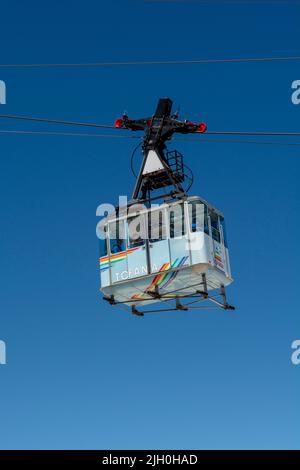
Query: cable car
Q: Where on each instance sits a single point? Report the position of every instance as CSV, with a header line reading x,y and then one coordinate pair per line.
x,y
174,251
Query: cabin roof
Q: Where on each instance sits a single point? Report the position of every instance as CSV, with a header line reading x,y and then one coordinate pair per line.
x,y
111,217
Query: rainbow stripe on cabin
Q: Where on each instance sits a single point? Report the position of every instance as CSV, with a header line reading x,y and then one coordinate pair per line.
x,y
218,261
114,258
162,279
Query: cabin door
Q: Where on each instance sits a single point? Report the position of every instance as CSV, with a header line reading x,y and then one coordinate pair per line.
x,y
159,255
117,259
136,246
179,240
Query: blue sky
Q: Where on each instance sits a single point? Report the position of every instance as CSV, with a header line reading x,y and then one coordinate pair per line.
x,y
81,374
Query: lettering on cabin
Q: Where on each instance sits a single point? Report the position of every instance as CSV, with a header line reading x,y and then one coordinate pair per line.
x,y
137,271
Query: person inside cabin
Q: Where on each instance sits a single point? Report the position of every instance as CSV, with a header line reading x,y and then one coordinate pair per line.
x,y
117,242
117,245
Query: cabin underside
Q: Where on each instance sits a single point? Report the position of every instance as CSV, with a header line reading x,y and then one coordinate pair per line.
x,y
199,283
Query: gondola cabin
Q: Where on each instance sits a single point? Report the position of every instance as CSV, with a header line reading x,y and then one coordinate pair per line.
x,y
169,251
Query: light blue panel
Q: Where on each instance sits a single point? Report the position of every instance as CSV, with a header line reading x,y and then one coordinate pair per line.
x,y
198,247
179,249
137,263
119,269
159,254
104,276
179,242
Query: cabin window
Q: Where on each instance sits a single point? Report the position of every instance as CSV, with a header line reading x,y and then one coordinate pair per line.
x,y
117,236
222,222
177,223
206,223
196,216
136,231
103,243
157,229
214,221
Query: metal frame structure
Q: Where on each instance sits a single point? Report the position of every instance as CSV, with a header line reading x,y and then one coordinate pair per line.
x,y
217,298
156,169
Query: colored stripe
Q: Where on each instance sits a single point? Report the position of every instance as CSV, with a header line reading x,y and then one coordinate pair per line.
x,y
175,273
164,279
114,258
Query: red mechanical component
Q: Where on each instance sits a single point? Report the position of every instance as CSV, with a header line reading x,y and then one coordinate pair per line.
x,y
119,123
202,127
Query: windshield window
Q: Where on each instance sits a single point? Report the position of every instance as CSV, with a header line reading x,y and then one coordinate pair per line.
x,y
177,225
214,220
116,236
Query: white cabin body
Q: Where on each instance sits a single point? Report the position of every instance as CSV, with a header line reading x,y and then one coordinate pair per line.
x,y
165,249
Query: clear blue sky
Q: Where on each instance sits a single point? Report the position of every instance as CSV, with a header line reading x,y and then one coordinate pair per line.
x,y
81,374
